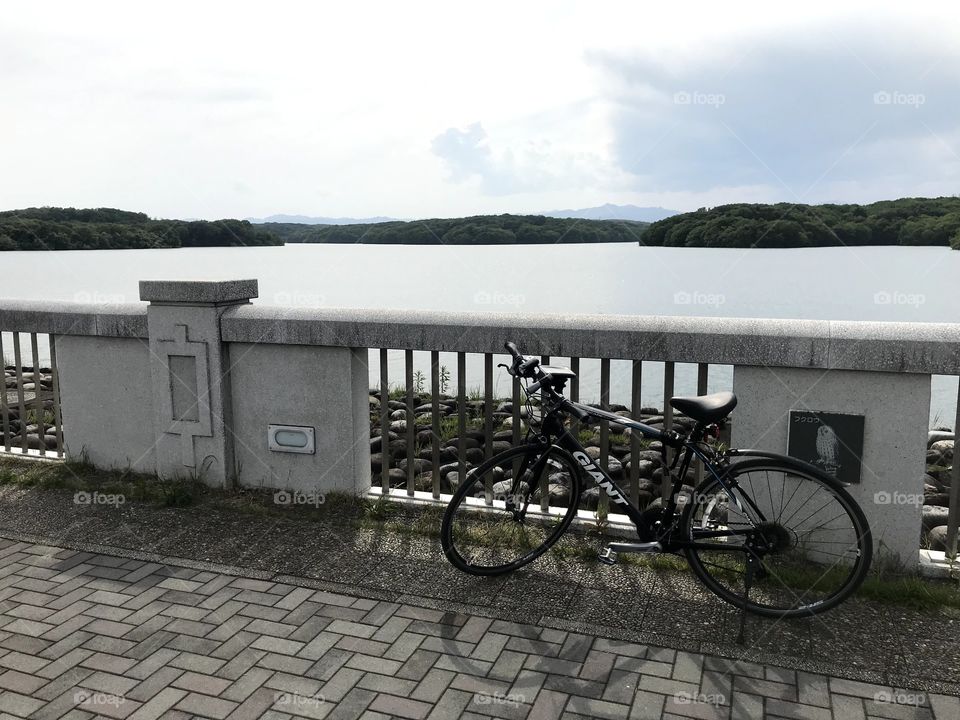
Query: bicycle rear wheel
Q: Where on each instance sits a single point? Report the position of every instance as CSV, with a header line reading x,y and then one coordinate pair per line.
x,y
510,510
800,539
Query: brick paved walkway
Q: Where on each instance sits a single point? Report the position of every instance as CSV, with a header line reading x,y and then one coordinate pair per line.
x,y
84,635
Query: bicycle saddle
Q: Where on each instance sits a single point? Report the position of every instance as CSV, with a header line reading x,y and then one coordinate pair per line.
x,y
706,408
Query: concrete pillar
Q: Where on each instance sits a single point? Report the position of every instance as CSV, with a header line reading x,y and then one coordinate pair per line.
x,y
190,371
896,410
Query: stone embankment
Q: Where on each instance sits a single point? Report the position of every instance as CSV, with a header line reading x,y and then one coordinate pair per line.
x,y
40,431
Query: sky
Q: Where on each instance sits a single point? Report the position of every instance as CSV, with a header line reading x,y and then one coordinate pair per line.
x,y
211,110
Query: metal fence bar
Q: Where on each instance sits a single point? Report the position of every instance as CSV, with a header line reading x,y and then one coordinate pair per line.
x,y
488,421
516,421
575,382
435,420
38,396
18,370
543,482
384,423
55,384
668,377
516,410
4,409
488,407
635,405
953,516
702,370
462,414
603,503
411,423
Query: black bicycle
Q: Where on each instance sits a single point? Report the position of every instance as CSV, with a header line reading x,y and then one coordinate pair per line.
x,y
768,533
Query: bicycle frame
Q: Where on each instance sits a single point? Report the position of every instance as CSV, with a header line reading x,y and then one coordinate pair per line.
x,y
552,426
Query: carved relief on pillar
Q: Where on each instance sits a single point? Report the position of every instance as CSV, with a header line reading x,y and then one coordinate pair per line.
x,y
185,408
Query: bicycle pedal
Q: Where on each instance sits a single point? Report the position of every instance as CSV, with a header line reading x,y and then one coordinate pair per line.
x,y
607,556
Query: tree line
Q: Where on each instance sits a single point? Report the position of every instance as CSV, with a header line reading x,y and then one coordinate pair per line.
x,y
908,221
109,229
478,230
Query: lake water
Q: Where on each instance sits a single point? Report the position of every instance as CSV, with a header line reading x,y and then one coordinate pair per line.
x,y
875,283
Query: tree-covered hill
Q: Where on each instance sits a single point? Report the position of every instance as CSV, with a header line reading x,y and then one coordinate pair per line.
x,y
479,230
908,221
107,229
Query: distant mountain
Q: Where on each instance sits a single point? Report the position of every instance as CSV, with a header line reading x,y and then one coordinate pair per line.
x,y
615,212
307,220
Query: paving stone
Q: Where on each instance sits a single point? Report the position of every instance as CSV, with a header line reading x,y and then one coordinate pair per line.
x,y
26,663
548,705
433,685
490,645
152,663
744,706
785,709
404,646
507,666
597,708
147,688
277,645
552,665
206,706
254,706
177,642
353,705
198,683
574,686
22,683
284,663
401,707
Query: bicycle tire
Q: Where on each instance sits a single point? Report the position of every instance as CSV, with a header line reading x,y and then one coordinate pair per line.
x,y
475,485
837,579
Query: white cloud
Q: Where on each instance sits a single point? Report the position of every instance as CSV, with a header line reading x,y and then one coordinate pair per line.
x,y
235,109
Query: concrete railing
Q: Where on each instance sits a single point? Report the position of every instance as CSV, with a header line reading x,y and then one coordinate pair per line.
x,y
193,383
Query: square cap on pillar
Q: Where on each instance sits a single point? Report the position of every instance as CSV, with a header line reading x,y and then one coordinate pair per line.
x,y
198,292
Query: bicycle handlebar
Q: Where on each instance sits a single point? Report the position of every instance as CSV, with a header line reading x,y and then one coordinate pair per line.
x,y
522,367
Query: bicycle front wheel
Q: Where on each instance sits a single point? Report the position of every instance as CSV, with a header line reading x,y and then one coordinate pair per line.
x,y
510,510
798,544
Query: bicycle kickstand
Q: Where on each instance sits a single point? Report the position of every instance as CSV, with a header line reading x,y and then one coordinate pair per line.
x,y
747,583
608,555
